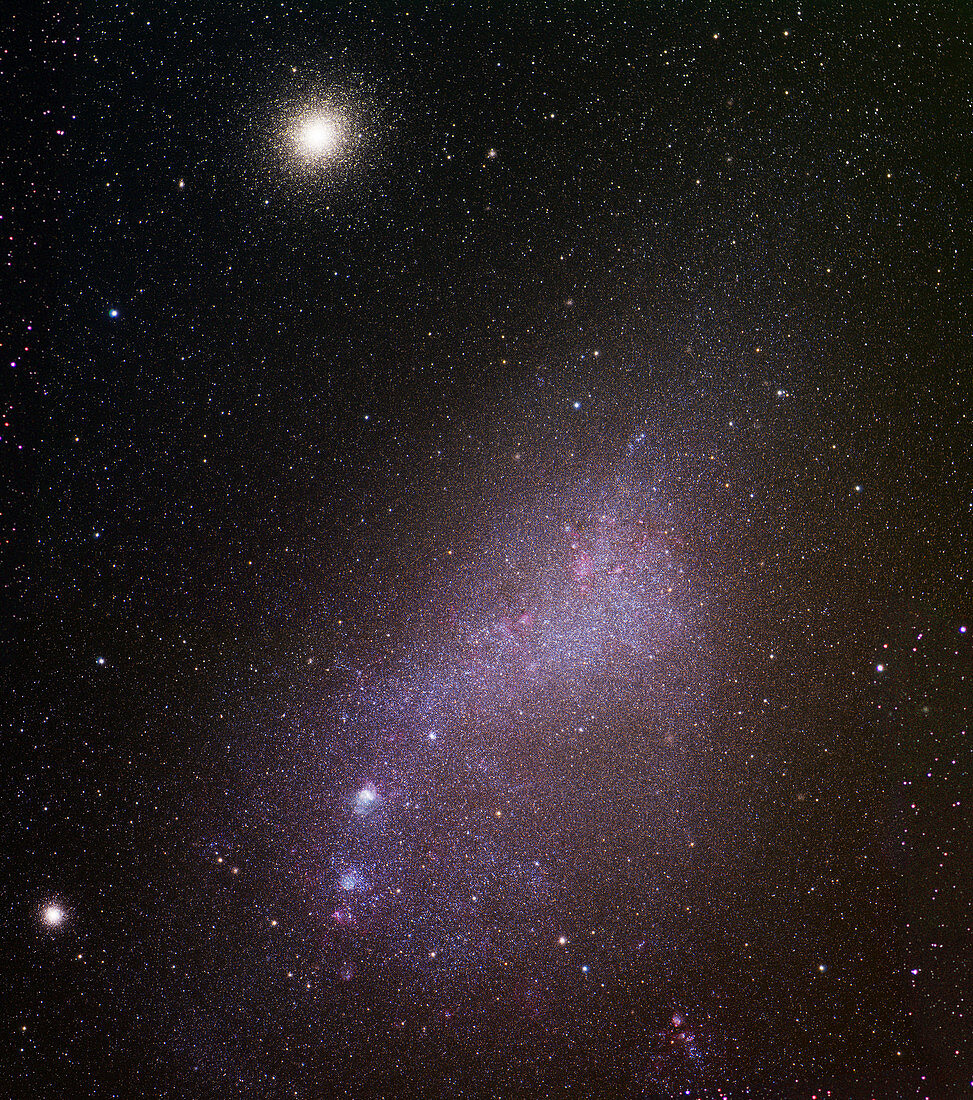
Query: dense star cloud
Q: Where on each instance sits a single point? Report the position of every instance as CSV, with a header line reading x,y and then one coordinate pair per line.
x,y
556,704
487,549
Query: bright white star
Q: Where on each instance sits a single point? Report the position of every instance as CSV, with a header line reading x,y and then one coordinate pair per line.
x,y
317,136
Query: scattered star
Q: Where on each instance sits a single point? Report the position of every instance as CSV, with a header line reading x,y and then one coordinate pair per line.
x,y
448,734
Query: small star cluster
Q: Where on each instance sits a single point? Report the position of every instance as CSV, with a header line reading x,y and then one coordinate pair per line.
x,y
487,553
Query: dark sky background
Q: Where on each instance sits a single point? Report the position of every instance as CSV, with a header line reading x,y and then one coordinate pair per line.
x,y
487,604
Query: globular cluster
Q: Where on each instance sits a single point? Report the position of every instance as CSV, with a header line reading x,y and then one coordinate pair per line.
x,y
313,139
53,915
486,551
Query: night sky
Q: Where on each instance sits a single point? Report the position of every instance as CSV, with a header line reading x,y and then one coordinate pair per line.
x,y
487,550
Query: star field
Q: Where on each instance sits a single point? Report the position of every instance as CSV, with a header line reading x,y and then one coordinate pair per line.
x,y
487,551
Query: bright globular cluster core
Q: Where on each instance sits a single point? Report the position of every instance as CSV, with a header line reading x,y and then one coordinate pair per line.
x,y
53,915
316,136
